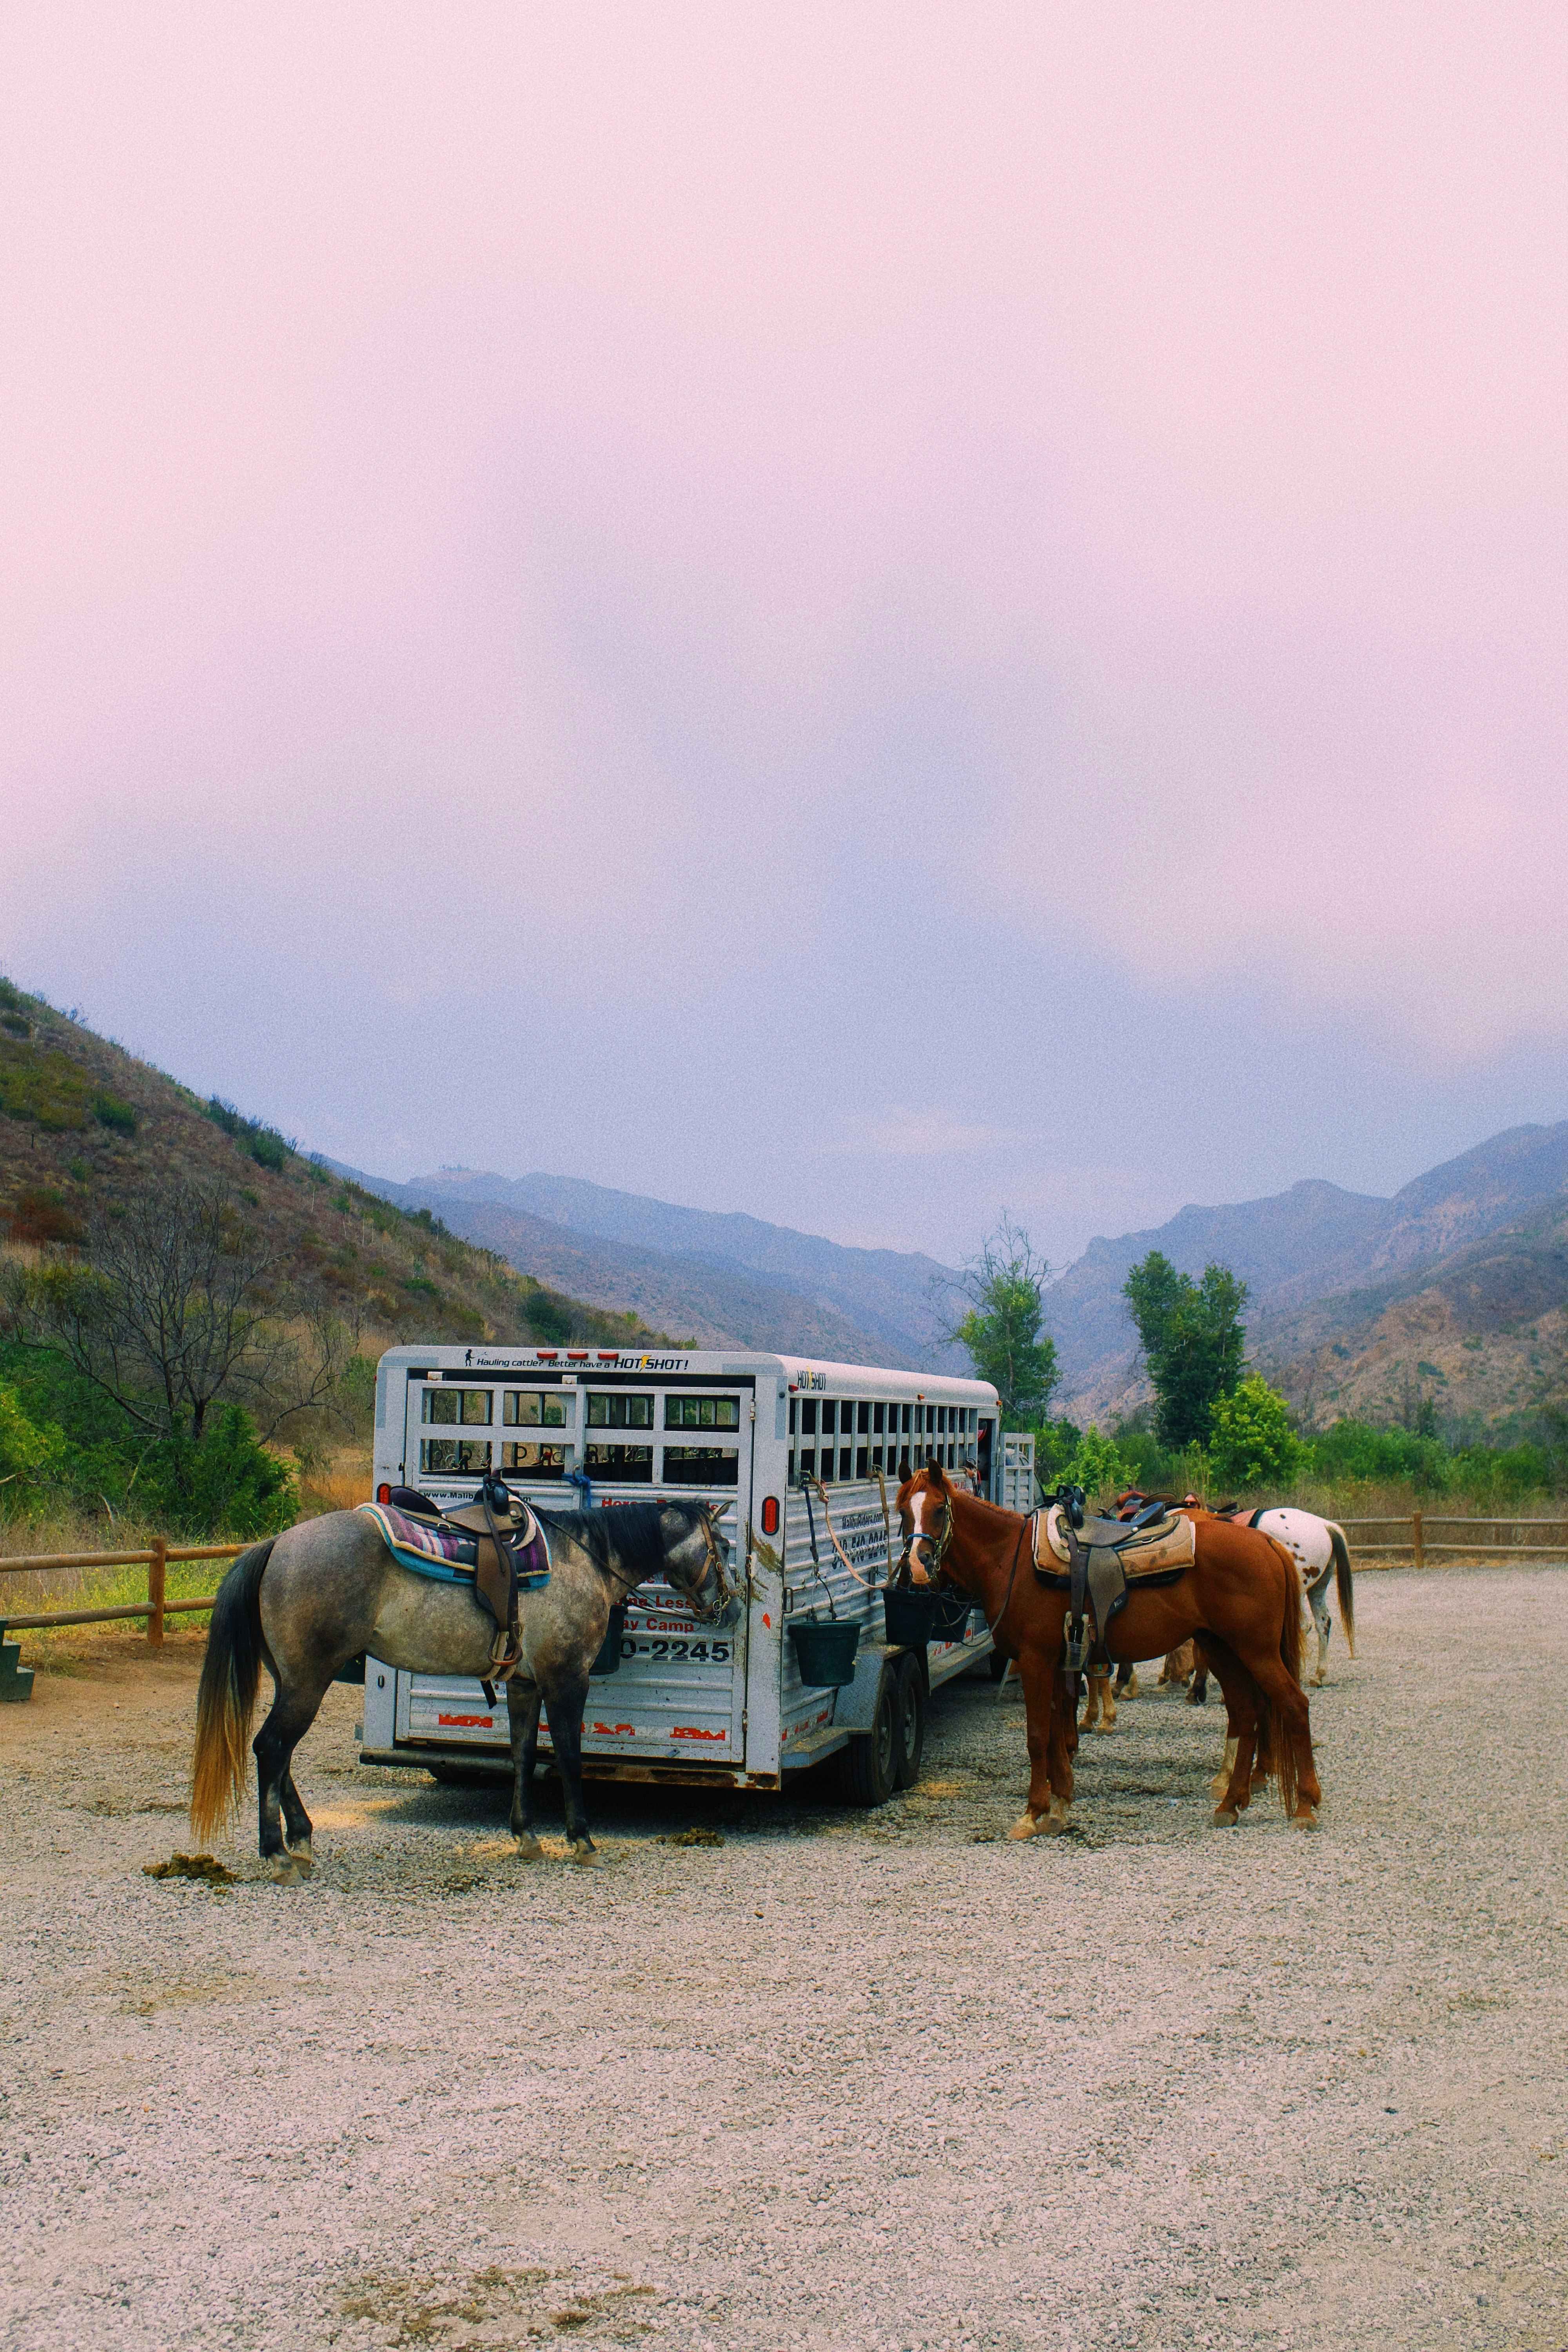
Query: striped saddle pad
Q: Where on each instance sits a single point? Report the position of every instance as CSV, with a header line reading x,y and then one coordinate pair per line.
x,y
446,1554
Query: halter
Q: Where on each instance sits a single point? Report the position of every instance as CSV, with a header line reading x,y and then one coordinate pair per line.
x,y
930,1567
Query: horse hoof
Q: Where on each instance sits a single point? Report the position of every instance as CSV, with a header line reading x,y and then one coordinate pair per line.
x,y
1027,1826
1305,1818
1102,1727
528,1848
303,1859
585,1854
283,1870
1224,1817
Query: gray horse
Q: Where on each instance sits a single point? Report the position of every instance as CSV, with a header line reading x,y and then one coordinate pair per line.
x,y
305,1603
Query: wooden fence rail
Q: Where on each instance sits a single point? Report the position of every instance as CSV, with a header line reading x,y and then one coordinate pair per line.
x,y
1418,1544
155,1608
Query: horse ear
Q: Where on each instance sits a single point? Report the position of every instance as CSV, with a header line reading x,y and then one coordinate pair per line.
x,y
936,1477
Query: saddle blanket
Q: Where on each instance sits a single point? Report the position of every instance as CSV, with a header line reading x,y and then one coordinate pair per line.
x,y
447,1556
1170,1544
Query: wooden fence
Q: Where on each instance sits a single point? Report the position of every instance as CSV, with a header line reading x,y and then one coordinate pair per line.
x,y
155,1608
1496,1535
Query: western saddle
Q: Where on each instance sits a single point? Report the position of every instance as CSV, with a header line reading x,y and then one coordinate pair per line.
x,y
503,1530
1100,1558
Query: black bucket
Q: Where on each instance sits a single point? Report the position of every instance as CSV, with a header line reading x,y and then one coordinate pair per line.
x,y
951,1616
908,1610
609,1658
825,1651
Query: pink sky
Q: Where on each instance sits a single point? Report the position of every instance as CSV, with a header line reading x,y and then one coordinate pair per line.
x,y
786,489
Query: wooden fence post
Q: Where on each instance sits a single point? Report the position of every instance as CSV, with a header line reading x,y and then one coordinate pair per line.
x,y
1417,1544
156,1568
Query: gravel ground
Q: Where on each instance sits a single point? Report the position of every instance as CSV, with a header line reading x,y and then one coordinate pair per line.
x,y
844,2080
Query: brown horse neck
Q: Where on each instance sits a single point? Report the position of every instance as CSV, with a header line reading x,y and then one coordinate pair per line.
x,y
985,1541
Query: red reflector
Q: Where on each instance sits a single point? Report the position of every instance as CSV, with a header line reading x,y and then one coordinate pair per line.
x,y
546,1355
607,1355
576,1355
383,1492
770,1514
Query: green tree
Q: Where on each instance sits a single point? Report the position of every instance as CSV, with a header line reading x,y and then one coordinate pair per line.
x,y
1000,1327
1193,1339
1252,1443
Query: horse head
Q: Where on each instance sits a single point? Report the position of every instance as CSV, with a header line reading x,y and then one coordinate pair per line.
x,y
925,1513
699,1562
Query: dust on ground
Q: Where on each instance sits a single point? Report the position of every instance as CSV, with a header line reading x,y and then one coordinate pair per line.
x,y
836,2080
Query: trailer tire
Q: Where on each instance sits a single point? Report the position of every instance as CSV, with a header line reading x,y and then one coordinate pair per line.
x,y
867,1766
909,1744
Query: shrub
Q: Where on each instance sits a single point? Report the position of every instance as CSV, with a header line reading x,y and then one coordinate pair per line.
x,y
40,1214
549,1319
30,1453
47,1087
267,1149
229,1483
263,1143
1099,1466
1252,1444
110,1112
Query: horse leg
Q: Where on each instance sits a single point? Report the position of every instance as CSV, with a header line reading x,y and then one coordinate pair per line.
x,y
523,1704
296,1823
1232,1786
1042,1700
1094,1685
1106,1701
290,1716
565,1706
1324,1624
1127,1679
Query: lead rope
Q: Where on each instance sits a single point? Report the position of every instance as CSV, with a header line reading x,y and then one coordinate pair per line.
x,y
888,1524
827,1522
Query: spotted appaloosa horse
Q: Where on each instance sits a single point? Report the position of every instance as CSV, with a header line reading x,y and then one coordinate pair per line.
x,y
1240,1600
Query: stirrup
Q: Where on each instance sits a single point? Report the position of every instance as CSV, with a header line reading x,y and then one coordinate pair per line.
x,y
1077,1639
504,1659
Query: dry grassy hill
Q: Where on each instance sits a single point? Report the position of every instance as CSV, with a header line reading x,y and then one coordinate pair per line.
x,y
82,1120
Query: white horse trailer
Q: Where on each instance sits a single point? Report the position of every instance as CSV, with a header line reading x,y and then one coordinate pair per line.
x,y
570,1426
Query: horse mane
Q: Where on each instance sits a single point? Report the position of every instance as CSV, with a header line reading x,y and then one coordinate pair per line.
x,y
639,1535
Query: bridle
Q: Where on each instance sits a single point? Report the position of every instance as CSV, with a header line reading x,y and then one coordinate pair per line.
x,y
936,1545
726,1591
709,1514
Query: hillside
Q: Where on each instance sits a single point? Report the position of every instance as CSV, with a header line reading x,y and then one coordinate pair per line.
x,y
82,1121
717,1277
1454,1287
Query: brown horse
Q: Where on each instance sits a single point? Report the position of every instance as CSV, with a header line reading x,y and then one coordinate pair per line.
x,y
1240,1600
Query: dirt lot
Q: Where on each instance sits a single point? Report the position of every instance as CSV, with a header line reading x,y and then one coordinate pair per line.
x,y
845,2079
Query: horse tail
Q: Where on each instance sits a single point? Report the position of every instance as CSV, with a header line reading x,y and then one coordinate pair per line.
x,y
1343,1583
226,1699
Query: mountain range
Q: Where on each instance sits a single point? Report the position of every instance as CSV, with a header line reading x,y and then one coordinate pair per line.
x,y
1455,1288
712,1278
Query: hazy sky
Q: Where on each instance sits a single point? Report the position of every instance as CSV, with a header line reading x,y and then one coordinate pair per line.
x,y
860,613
